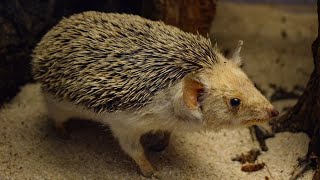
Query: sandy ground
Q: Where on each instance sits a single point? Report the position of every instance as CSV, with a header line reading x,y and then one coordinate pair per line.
x,y
276,51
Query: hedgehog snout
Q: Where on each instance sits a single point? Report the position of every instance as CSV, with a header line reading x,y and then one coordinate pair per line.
x,y
272,112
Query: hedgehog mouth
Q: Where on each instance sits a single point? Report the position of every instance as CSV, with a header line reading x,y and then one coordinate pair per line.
x,y
255,121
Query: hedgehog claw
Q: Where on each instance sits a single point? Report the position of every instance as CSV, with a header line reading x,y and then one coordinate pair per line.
x,y
150,173
61,130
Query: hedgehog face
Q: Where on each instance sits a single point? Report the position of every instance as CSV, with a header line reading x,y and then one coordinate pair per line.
x,y
227,98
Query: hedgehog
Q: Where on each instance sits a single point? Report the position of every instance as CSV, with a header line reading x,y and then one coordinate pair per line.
x,y
139,76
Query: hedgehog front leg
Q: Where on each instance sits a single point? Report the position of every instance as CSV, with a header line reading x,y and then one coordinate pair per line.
x,y
130,144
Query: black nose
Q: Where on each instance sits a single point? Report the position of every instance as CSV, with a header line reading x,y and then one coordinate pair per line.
x,y
272,112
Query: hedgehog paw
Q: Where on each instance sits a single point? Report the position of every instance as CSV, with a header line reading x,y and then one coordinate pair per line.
x,y
147,170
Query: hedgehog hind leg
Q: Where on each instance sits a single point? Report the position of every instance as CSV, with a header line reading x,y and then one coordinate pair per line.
x,y
58,116
130,144
59,119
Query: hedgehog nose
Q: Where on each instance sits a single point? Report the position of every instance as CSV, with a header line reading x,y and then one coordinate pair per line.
x,y
272,112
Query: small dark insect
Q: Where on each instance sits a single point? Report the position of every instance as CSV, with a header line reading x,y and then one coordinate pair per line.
x,y
252,167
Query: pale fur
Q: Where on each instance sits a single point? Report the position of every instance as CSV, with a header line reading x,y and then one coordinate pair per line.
x,y
224,82
166,112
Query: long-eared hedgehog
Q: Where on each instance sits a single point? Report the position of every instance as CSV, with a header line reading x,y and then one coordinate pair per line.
x,y
140,76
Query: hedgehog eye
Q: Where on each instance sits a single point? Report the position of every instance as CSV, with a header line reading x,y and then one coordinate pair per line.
x,y
235,102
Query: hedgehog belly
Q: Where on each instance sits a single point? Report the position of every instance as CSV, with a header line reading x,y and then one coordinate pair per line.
x,y
158,115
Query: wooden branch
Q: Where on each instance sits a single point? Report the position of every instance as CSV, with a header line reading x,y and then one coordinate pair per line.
x,y
305,115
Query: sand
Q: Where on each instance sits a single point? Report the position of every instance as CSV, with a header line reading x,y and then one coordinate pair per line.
x,y
31,149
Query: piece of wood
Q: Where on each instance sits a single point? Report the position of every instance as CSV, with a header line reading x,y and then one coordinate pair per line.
x,y
305,115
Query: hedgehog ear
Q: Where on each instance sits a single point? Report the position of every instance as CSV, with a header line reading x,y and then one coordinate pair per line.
x,y
191,89
236,58
215,47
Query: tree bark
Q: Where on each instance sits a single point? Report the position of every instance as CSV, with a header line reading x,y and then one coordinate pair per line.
x,y
305,115
190,15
